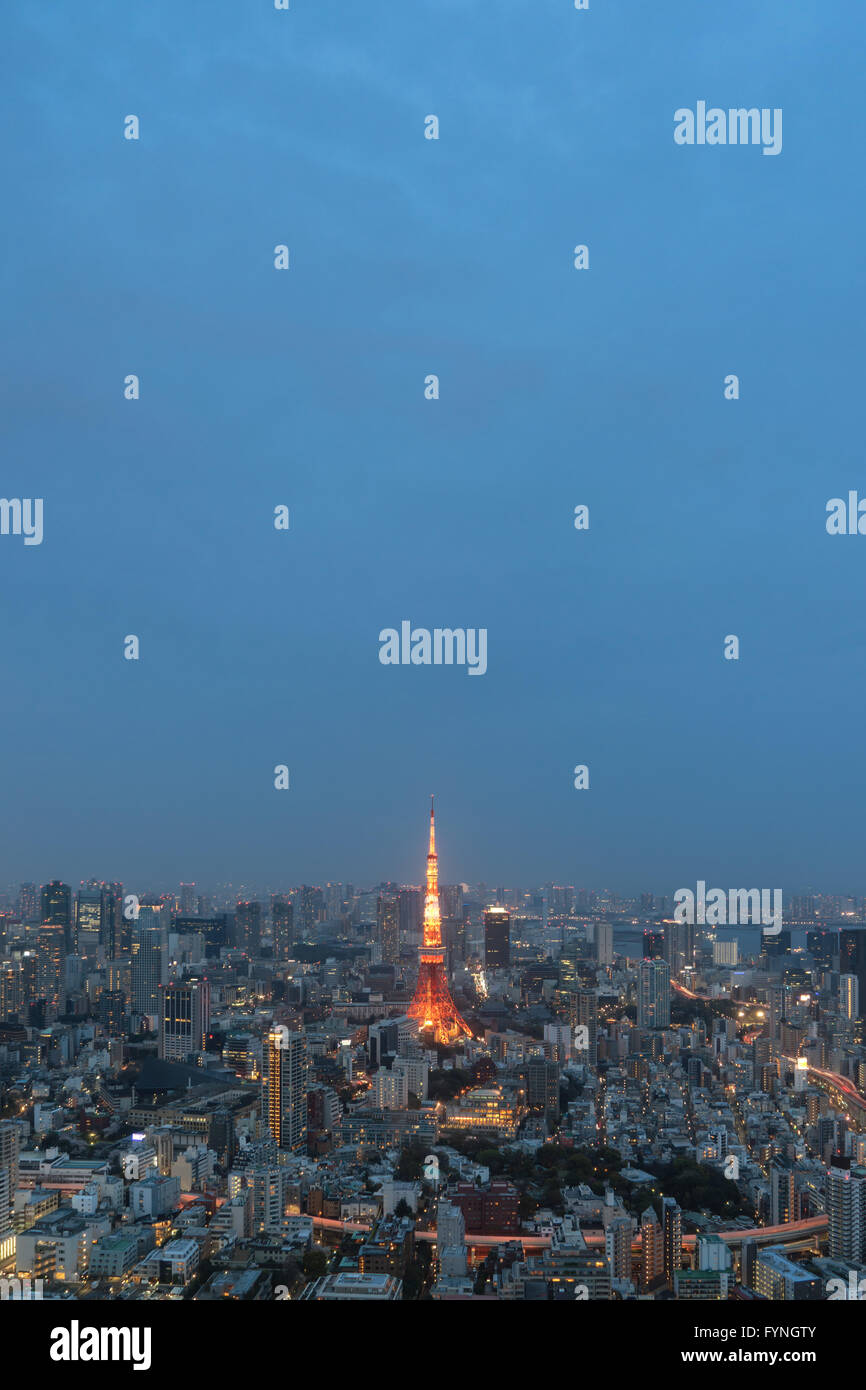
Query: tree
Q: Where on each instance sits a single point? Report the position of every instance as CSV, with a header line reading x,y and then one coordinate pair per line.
x,y
316,1263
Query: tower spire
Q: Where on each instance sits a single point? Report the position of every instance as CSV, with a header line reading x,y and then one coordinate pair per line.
x,y
432,1004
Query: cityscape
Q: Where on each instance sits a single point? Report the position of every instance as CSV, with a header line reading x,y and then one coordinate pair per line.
x,y
430,551
429,1092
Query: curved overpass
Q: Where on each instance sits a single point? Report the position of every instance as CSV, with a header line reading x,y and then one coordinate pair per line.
x,y
813,1227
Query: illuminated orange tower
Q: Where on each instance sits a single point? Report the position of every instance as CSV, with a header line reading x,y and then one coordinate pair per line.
x,y
432,1004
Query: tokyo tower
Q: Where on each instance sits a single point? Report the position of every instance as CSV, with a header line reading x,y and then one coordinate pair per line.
x,y
432,1004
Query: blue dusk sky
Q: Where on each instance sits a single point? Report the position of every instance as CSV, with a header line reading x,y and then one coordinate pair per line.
x,y
557,387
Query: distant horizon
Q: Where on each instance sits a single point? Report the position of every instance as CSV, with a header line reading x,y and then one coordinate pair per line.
x,y
362,887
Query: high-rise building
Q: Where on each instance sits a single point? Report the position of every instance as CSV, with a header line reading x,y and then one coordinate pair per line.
x,y
823,946
9,1134
654,994
586,1016
725,953
57,910
497,938
451,896
312,906
852,956
780,1279
248,927
782,1195
88,919
149,962
652,1249
617,1244
775,1010
542,1088
51,954
390,1089
450,1240
846,1210
604,943
653,944
388,929
282,923
184,1019
672,1236
679,945
111,922
285,1088
410,902
213,931
432,1005
112,1007
849,996
187,900
28,903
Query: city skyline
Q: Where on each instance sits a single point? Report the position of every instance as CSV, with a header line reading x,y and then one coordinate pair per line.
x,y
436,1101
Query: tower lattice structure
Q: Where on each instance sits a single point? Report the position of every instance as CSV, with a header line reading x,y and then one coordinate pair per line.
x,y
432,1004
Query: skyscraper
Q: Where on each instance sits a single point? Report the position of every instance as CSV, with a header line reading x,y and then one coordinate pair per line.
x,y
654,994
282,923
248,927
311,900
57,910
846,1210
849,996
51,954
411,909
111,925
604,943
184,1018
586,1016
432,1004
679,945
187,899
542,1088
653,943
28,902
783,1202
149,962
388,926
88,918
285,1088
652,1249
672,1235
8,1183
497,938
